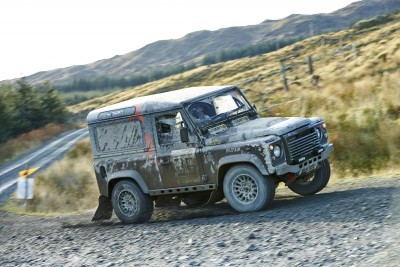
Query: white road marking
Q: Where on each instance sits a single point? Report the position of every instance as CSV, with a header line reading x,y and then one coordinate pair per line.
x,y
31,156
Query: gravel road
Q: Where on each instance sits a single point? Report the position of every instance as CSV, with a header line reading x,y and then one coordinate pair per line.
x,y
351,223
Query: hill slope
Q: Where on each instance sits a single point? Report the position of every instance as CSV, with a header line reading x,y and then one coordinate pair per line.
x,y
357,90
194,46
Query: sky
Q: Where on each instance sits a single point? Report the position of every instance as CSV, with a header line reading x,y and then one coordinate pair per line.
x,y
40,35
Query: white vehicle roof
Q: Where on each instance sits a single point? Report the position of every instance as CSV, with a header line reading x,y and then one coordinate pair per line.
x,y
153,103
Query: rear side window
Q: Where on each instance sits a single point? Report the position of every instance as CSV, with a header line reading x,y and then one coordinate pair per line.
x,y
119,136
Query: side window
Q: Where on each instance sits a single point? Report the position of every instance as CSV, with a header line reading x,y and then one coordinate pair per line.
x,y
168,128
118,136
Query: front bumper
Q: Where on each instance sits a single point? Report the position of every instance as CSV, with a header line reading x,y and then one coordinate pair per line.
x,y
305,166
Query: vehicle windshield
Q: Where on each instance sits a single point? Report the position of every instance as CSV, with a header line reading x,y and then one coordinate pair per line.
x,y
215,109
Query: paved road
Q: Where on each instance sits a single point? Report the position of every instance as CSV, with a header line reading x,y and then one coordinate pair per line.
x,y
42,156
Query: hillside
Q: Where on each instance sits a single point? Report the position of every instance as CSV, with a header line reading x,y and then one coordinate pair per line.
x,y
194,46
357,92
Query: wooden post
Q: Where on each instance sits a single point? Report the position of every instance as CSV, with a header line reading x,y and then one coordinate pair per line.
x,y
341,49
355,52
284,80
310,65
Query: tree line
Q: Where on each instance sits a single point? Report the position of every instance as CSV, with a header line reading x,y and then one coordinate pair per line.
x,y
248,51
106,83
24,108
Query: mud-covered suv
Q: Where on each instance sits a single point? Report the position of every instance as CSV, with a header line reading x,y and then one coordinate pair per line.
x,y
200,145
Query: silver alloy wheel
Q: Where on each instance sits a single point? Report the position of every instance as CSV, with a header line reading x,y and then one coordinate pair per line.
x,y
245,189
127,203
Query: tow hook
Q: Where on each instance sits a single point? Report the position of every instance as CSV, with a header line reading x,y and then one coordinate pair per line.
x,y
290,178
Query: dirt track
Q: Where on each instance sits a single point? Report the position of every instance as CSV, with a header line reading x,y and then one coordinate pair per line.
x,y
347,224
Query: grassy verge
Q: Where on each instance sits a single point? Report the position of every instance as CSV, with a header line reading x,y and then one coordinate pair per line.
x,y
68,186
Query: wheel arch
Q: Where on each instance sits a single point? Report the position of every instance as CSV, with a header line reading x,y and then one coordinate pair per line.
x,y
228,162
131,175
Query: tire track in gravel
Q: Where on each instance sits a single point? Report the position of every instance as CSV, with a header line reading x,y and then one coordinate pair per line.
x,y
390,256
350,223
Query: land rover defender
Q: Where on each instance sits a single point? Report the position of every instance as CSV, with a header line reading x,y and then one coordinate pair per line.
x,y
198,146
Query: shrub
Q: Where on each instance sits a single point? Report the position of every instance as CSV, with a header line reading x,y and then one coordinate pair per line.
x,y
67,186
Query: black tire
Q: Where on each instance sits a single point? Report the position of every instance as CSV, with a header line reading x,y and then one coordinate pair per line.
x,y
246,190
196,200
310,185
130,204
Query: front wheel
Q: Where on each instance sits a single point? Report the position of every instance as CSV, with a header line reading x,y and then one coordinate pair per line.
x,y
246,190
312,184
130,204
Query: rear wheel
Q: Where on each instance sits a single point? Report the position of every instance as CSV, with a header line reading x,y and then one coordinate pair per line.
x,y
246,190
313,183
130,204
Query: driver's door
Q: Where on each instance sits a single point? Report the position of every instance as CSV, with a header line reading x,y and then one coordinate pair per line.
x,y
178,162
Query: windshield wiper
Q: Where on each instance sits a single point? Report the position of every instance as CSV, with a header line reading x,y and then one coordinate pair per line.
x,y
214,120
235,110
219,117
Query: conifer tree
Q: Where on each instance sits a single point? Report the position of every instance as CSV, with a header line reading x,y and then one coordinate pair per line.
x,y
52,106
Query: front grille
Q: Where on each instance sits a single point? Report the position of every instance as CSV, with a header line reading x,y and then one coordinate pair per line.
x,y
302,144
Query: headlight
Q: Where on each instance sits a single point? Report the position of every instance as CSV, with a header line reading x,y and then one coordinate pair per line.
x,y
276,149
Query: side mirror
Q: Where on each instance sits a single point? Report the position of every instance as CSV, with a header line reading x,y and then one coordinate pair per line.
x,y
184,135
204,131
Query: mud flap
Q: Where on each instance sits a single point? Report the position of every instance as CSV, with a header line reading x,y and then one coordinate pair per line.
x,y
104,210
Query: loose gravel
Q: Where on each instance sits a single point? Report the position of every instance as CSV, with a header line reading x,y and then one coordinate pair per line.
x,y
350,223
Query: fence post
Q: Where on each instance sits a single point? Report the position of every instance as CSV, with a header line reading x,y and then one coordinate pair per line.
x,y
310,65
355,51
284,80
